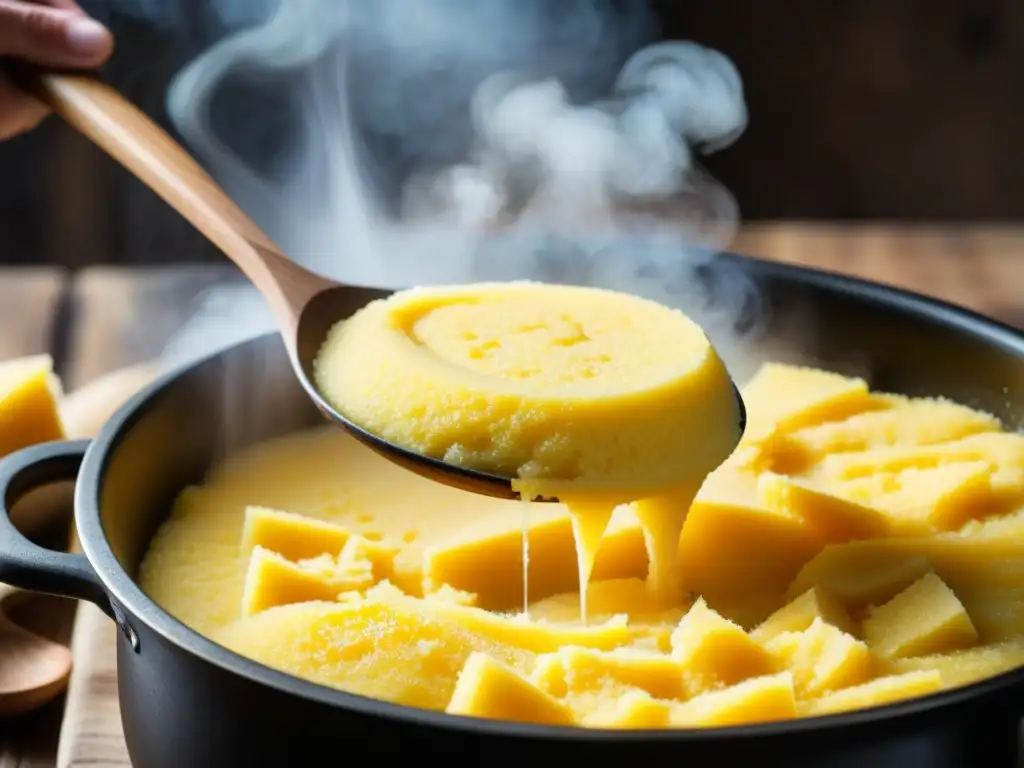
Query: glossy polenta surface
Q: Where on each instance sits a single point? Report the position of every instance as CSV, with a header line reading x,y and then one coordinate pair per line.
x,y
857,548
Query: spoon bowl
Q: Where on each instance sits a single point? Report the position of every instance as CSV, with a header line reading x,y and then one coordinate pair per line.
x,y
318,316
306,304
34,666
33,670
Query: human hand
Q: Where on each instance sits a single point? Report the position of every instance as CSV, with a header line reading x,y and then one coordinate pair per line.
x,y
55,33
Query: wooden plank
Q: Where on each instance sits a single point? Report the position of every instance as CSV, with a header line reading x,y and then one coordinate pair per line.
x,y
122,318
28,305
29,298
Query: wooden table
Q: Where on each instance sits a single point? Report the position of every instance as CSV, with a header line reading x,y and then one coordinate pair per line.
x,y
103,318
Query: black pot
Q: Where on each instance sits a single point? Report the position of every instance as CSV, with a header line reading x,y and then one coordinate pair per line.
x,y
187,702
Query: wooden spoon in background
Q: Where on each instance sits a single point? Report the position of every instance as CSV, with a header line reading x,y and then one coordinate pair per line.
x,y
35,669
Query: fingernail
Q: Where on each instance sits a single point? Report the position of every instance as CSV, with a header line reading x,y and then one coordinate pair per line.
x,y
87,37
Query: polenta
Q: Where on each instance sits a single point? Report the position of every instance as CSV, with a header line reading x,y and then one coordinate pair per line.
x,y
856,549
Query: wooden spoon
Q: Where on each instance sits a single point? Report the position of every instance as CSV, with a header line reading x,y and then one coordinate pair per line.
x,y
33,669
306,304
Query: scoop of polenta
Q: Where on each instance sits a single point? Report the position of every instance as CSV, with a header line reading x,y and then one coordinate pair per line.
x,y
588,390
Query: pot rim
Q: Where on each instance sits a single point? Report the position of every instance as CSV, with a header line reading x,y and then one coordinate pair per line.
x,y
140,607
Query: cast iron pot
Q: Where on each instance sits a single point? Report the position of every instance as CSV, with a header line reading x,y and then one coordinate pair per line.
x,y
189,703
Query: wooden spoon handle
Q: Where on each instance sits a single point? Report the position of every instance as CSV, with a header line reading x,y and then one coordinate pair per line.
x,y
125,133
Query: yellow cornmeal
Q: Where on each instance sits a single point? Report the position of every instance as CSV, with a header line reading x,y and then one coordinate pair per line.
x,y
589,396
807,589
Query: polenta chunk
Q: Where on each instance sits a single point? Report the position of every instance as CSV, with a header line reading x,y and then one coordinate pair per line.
x,y
759,700
631,710
822,659
483,558
998,448
360,553
969,665
785,398
715,652
924,500
272,580
1001,454
835,518
859,574
986,573
924,618
899,423
294,537
881,690
452,596
577,670
728,525
606,599
29,397
797,615
487,688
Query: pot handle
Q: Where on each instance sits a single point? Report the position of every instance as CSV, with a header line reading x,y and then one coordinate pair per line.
x,y
26,565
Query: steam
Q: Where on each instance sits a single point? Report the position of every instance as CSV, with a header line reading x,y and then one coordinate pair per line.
x,y
449,142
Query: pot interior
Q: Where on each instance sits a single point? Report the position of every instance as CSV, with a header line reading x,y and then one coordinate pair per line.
x,y
897,342
246,395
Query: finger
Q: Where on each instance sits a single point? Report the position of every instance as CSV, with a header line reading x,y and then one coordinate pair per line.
x,y
19,112
67,5
52,36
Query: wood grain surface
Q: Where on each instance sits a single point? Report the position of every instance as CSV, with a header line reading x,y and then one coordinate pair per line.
x,y
980,268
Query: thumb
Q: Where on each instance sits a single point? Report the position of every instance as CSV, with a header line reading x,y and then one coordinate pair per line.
x,y
52,36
